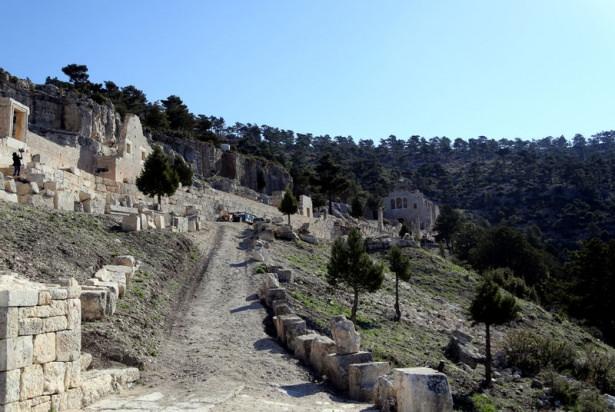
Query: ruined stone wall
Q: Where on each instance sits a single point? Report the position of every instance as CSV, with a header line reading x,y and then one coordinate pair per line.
x,y
413,207
40,346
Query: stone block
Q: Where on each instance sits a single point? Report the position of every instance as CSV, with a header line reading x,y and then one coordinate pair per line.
x,y
72,378
18,297
347,339
9,322
55,323
23,188
73,315
131,223
280,323
86,361
64,200
275,293
34,312
44,348
362,379
114,287
321,347
42,405
285,276
34,188
10,186
73,399
54,375
44,298
95,385
421,390
159,221
30,326
125,260
93,304
292,330
32,382
8,197
58,293
270,281
58,308
15,352
384,395
336,367
302,346
68,345
281,308
10,383
51,185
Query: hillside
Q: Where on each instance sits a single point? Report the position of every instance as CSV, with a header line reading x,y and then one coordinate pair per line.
x,y
434,304
43,245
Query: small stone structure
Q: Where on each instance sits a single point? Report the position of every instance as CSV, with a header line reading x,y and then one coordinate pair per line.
x,y
305,206
412,207
349,369
40,349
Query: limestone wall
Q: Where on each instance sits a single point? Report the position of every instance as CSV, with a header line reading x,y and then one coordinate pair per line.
x,y
40,346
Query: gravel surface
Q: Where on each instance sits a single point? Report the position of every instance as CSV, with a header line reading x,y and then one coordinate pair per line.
x,y
217,356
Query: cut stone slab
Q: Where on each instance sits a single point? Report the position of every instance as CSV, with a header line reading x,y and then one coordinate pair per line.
x,y
337,366
10,383
302,346
321,347
125,260
275,294
292,330
54,377
68,345
422,390
347,339
281,308
9,322
285,276
362,379
44,348
93,303
131,223
15,291
86,361
15,353
385,394
32,382
280,323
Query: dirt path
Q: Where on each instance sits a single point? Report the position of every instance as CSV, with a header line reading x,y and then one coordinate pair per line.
x,y
217,356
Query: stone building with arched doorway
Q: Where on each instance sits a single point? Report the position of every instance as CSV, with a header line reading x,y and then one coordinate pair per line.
x,y
411,207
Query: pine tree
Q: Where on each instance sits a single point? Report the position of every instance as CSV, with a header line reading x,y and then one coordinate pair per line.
x,y
356,208
158,177
330,179
492,306
289,204
447,224
183,170
400,265
351,266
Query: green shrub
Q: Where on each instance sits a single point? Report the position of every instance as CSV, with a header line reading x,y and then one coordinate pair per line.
x,y
532,353
591,401
483,403
564,390
506,279
597,368
262,268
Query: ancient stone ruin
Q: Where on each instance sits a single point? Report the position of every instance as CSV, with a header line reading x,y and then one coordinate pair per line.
x,y
41,364
349,369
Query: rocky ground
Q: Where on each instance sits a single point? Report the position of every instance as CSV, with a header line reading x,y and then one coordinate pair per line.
x,y
44,244
434,304
217,355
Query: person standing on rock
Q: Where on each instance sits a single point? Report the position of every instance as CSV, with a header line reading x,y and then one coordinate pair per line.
x,y
17,163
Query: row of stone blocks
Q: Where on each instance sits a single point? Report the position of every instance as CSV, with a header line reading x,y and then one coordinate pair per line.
x,y
100,294
135,222
40,348
349,369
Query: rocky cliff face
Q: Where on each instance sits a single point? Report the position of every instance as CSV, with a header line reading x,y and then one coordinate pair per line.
x,y
70,119
54,111
208,161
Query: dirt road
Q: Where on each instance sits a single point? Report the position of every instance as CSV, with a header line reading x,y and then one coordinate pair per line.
x,y
217,357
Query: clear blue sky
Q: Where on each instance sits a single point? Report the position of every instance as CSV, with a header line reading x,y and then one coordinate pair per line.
x,y
366,68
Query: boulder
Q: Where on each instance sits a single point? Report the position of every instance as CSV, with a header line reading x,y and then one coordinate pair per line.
x,y
308,238
337,367
460,350
284,232
421,390
321,347
347,339
85,361
10,186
